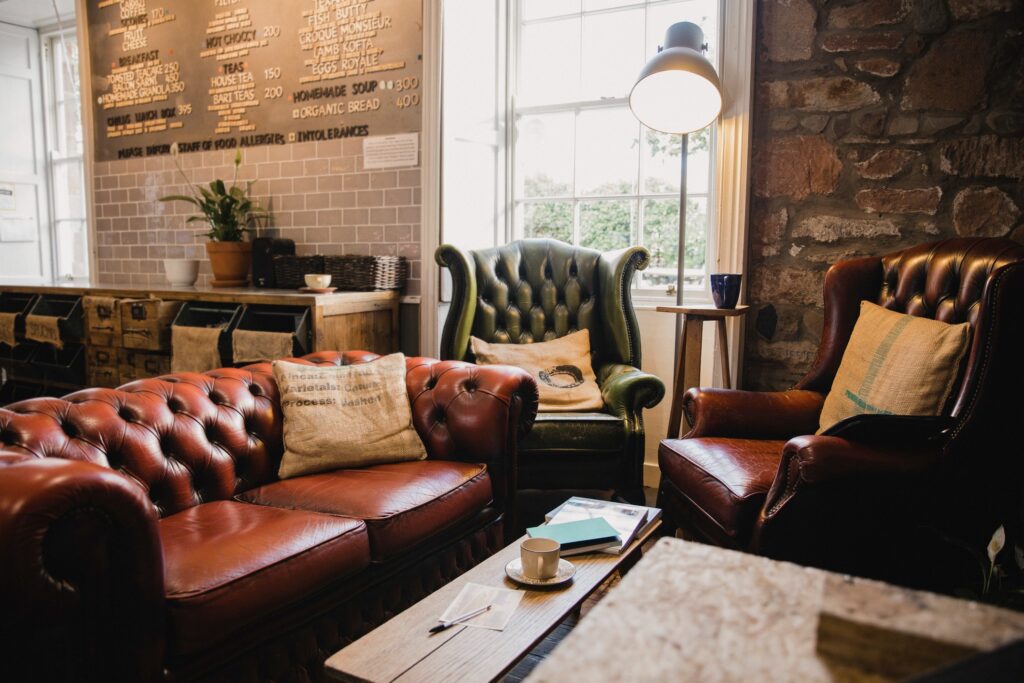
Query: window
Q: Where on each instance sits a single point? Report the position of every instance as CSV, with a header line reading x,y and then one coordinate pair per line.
x,y
65,159
584,170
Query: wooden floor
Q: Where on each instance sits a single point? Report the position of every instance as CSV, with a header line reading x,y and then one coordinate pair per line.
x,y
537,655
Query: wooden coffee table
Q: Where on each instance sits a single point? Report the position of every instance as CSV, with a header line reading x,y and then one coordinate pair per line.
x,y
403,650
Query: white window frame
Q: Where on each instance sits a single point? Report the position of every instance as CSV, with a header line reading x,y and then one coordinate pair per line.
x,y
728,227
641,295
51,100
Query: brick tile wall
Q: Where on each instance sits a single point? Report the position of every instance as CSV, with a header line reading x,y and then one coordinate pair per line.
x,y
316,192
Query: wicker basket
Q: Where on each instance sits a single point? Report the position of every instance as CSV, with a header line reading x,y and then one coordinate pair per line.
x,y
366,273
290,271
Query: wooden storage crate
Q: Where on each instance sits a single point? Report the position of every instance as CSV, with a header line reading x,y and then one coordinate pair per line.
x,y
102,367
146,323
135,365
102,320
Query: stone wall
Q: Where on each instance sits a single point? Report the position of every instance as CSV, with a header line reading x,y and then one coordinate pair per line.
x,y
317,192
879,124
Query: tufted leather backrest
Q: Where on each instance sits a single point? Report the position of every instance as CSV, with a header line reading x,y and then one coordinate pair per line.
x,y
536,290
951,281
944,280
190,438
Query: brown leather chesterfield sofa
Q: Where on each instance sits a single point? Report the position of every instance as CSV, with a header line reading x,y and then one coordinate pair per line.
x,y
892,497
144,534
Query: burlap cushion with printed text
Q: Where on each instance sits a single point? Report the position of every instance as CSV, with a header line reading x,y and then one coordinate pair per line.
x,y
350,416
895,364
562,368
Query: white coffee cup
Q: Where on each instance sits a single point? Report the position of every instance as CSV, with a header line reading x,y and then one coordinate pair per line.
x,y
314,281
539,557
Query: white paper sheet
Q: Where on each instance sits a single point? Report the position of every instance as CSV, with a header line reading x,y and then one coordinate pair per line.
x,y
473,596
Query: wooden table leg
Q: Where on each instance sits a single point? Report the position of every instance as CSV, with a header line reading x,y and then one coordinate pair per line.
x,y
687,369
723,351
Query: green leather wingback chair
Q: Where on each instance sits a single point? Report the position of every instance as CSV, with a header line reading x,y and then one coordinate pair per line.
x,y
540,289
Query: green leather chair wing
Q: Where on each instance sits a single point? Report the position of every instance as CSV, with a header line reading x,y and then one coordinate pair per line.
x,y
540,289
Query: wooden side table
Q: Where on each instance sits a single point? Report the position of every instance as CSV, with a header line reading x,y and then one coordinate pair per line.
x,y
689,352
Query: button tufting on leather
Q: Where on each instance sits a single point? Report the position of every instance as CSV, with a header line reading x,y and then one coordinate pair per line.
x,y
255,390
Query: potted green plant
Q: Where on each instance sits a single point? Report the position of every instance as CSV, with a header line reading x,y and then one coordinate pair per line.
x,y
228,211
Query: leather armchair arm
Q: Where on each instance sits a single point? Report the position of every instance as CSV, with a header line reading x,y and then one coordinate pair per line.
x,y
752,414
82,574
458,325
627,390
615,274
827,481
475,413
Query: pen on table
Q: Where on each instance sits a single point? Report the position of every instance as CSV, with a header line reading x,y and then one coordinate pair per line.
x,y
458,620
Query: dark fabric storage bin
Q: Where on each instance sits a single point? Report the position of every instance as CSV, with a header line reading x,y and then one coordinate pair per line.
x,y
66,308
14,302
17,362
12,392
64,366
207,314
294,319
290,271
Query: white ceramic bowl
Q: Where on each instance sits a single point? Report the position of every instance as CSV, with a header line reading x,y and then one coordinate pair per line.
x,y
315,281
181,272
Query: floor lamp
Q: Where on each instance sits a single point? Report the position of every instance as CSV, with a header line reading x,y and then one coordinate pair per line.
x,y
678,92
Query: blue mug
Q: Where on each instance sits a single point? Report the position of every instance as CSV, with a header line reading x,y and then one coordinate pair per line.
x,y
725,289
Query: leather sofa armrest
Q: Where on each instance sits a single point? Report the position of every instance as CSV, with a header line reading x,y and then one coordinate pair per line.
x,y
626,390
458,325
474,413
82,573
752,414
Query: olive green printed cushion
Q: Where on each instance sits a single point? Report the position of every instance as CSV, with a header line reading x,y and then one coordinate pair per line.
x,y
562,368
895,364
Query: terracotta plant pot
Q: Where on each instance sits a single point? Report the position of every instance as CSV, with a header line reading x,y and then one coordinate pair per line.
x,y
230,263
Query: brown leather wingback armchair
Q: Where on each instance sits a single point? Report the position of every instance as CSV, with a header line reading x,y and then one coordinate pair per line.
x,y
875,495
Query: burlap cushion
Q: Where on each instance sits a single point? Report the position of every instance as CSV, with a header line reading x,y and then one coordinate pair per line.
x,y
895,364
350,416
562,368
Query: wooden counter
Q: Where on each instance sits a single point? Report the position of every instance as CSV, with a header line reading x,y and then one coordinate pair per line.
x,y
342,321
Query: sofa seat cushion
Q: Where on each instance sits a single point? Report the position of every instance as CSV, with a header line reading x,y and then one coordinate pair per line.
x,y
402,503
229,564
725,481
573,451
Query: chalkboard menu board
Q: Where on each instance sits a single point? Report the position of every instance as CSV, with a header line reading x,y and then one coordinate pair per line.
x,y
224,74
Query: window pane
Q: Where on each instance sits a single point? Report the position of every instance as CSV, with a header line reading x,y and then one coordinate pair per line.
x,y
696,239
661,161
72,249
661,237
547,219
538,9
612,53
549,62
68,190
607,152
607,225
544,155
704,13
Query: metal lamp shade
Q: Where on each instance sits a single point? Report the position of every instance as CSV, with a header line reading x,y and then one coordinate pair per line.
x,y
678,90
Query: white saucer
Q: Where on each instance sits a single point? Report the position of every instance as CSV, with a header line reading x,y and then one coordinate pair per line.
x,y
566,570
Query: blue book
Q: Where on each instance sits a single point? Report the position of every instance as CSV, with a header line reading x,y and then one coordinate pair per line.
x,y
583,536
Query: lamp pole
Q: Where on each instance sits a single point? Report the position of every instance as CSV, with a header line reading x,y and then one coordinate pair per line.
x,y
684,147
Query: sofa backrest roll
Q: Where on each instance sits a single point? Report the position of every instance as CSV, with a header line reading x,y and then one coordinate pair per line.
x,y
186,438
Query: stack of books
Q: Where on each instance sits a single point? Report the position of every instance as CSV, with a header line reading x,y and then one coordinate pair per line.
x,y
584,525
